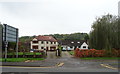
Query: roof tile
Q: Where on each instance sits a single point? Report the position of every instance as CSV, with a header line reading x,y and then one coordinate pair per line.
x,y
46,38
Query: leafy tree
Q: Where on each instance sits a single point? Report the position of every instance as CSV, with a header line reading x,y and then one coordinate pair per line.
x,y
104,33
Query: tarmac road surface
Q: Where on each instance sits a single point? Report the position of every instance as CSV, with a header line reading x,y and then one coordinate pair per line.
x,y
68,64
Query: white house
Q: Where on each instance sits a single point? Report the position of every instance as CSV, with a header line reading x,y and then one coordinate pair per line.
x,y
72,44
84,46
44,42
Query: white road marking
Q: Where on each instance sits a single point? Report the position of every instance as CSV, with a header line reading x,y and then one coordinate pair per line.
x,y
108,66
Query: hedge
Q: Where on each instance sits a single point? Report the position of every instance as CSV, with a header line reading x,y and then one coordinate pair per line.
x,y
96,53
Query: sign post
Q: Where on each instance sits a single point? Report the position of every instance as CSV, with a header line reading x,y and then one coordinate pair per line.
x,y
6,45
16,43
1,43
10,34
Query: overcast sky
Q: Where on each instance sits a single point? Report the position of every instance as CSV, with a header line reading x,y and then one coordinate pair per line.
x,y
54,16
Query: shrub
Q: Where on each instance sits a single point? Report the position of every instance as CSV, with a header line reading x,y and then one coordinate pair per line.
x,y
96,53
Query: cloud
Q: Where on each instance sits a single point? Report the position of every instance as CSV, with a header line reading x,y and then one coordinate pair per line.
x,y
54,16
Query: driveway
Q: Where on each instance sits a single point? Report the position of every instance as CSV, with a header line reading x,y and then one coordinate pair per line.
x,y
73,62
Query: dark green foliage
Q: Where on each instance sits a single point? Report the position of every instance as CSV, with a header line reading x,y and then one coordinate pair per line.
x,y
26,38
73,36
11,45
24,43
105,32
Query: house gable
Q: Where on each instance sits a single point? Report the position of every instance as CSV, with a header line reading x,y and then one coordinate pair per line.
x,y
84,46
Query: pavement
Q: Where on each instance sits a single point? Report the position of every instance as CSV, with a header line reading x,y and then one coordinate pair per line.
x,y
66,63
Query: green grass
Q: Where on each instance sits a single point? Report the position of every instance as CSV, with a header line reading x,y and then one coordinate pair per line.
x,y
92,58
71,52
19,59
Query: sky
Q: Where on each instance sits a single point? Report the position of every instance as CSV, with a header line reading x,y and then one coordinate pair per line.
x,y
39,17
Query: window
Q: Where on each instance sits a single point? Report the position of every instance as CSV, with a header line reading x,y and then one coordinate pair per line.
x,y
51,42
78,42
47,42
84,46
35,41
42,47
71,47
72,42
56,42
79,46
35,47
42,42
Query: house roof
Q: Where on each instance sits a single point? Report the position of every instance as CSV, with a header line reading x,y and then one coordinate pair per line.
x,y
46,38
72,42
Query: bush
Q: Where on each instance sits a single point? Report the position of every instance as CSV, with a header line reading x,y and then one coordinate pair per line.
x,y
24,54
96,53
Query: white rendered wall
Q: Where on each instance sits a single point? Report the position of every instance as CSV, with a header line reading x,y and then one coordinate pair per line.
x,y
84,44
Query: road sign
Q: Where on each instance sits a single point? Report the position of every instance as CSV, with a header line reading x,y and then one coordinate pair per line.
x,y
119,8
10,34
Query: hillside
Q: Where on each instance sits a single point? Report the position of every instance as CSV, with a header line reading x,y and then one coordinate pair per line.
x,y
73,36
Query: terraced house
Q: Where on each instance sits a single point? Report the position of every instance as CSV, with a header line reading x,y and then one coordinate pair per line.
x,y
44,42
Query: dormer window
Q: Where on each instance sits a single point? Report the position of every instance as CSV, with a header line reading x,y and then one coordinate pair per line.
x,y
53,42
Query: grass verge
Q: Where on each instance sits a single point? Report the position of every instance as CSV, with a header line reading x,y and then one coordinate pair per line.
x,y
19,59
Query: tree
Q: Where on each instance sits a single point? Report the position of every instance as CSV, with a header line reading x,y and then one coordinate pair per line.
x,y
104,33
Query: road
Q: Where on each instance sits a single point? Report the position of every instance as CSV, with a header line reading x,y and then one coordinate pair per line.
x,y
67,63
